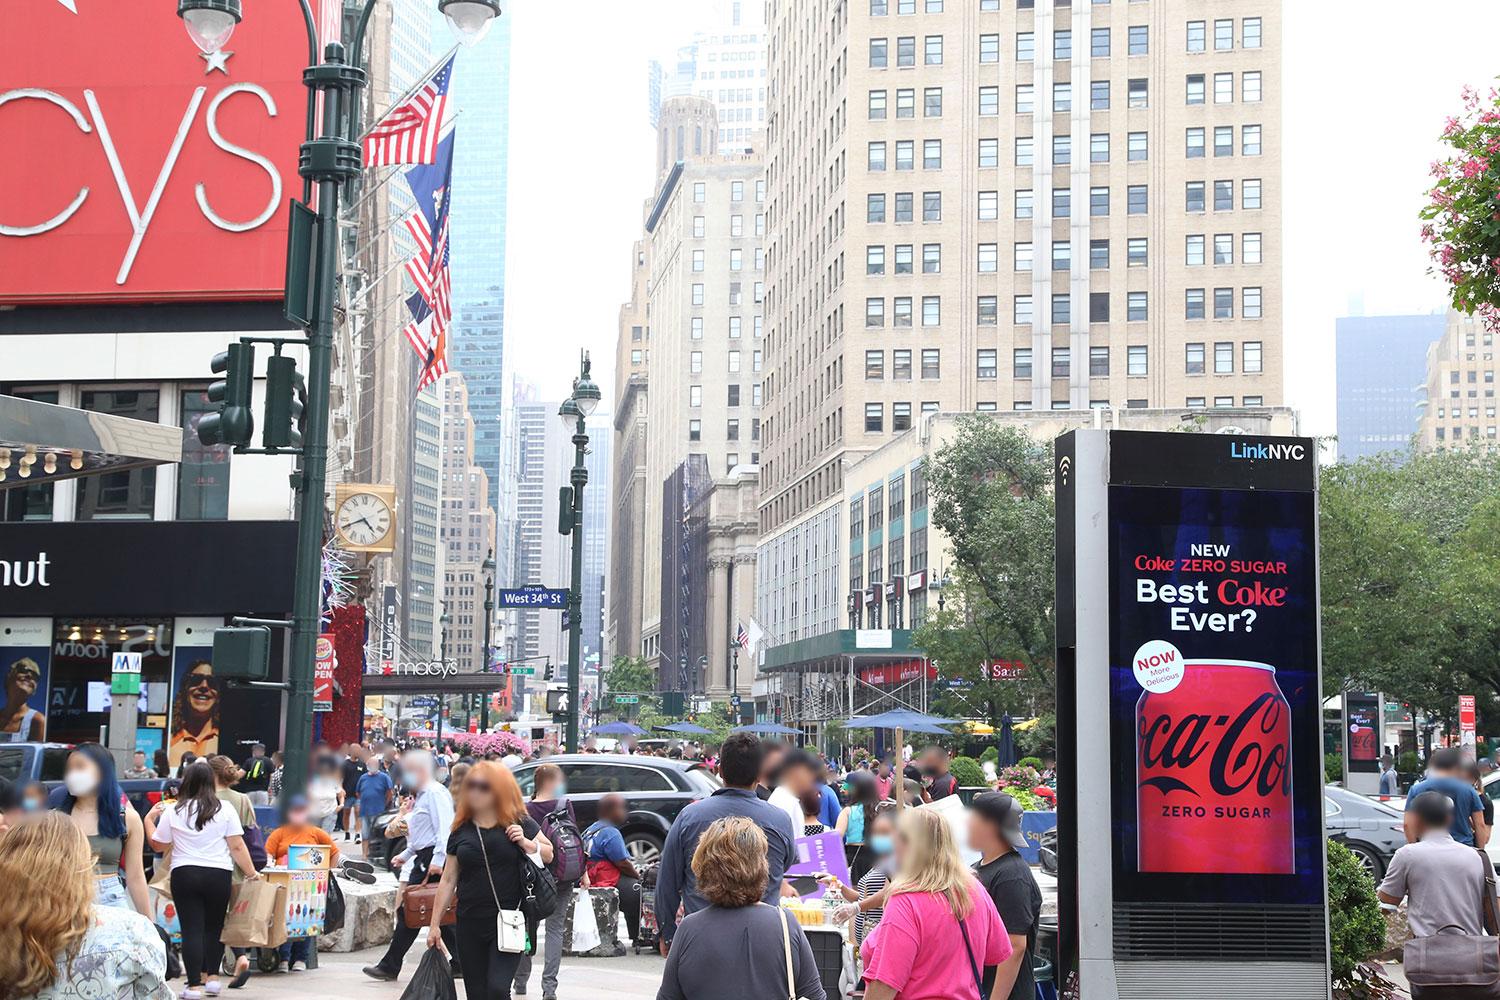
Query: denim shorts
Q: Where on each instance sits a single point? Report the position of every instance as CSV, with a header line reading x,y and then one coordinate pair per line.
x,y
111,891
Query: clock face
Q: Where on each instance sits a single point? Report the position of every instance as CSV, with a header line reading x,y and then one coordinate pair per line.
x,y
364,519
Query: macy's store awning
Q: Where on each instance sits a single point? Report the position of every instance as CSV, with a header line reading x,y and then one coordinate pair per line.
x,y
43,442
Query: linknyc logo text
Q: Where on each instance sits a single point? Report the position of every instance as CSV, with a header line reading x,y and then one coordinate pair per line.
x,y
1271,452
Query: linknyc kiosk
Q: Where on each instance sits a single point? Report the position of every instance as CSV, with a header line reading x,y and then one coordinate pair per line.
x,y
1190,717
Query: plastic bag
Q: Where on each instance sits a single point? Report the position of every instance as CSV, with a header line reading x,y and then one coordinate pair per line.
x,y
432,980
333,913
585,925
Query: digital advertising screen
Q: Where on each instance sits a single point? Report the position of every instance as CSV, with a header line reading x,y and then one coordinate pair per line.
x,y
1215,702
1362,738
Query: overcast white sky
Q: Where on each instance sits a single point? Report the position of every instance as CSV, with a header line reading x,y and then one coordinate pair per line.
x,y
1367,86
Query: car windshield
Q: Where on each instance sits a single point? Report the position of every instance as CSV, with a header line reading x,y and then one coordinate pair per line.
x,y
701,777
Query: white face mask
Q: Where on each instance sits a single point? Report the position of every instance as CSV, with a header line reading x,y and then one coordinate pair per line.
x,y
81,782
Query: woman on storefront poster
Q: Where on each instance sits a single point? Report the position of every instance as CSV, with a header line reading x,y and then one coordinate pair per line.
x,y
195,714
19,721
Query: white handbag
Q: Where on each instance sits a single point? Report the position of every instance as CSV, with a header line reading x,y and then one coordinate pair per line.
x,y
510,925
786,946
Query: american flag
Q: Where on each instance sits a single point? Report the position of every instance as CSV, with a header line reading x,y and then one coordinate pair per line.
x,y
431,306
409,131
742,638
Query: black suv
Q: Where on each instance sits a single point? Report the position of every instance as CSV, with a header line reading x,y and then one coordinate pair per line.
x,y
656,789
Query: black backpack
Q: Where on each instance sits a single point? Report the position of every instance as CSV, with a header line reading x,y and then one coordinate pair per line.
x,y
568,855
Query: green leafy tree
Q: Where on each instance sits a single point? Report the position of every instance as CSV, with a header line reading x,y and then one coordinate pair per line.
x,y
989,494
630,675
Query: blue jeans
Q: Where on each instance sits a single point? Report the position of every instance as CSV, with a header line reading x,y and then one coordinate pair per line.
x,y
294,949
111,891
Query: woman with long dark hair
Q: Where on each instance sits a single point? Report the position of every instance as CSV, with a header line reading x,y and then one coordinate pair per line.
x,y
115,833
207,844
493,835
855,823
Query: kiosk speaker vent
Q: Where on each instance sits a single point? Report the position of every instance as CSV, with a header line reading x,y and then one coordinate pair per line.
x,y
1166,931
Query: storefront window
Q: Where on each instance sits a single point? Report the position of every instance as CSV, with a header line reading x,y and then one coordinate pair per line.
x,y
203,476
82,651
32,502
126,495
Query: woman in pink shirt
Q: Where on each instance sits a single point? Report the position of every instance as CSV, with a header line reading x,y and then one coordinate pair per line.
x,y
940,928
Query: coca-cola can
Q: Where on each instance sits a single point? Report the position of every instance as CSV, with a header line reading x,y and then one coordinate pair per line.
x,y
1213,770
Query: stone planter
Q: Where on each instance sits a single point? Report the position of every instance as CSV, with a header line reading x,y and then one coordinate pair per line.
x,y
369,917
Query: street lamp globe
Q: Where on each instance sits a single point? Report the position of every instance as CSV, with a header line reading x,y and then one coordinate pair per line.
x,y
209,22
469,20
569,413
586,395
489,562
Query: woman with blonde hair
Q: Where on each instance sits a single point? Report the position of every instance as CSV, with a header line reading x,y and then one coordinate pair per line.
x,y
60,946
738,947
493,835
940,928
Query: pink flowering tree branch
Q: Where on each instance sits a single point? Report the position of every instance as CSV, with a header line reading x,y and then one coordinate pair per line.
x,y
1461,221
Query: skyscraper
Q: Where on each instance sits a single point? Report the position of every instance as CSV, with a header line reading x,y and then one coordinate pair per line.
x,y
1381,387
542,556
1125,157
467,528
596,542
726,64
1460,390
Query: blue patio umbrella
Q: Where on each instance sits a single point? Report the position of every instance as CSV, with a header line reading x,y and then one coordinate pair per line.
x,y
903,721
768,728
685,727
619,729
1006,748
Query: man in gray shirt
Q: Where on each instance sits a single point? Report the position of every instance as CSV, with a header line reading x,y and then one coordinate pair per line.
x,y
739,767
1442,880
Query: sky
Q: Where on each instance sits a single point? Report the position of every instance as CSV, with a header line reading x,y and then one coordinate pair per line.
x,y
1367,85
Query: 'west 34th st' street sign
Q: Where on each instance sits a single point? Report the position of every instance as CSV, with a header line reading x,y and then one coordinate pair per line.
x,y
534,597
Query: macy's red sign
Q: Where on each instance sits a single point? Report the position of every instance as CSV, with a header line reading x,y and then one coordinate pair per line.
x,y
138,169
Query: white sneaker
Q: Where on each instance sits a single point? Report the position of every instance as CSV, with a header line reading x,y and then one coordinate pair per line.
x,y
299,966
191,994
213,989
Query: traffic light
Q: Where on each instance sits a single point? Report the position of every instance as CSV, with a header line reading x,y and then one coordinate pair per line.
x,y
285,390
234,422
548,671
565,510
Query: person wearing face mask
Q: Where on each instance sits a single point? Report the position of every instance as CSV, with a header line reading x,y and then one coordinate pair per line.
x,y
553,814
33,796
866,899
115,833
372,795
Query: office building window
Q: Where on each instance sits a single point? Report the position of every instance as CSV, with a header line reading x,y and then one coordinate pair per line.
x,y
1023,256
989,205
901,365
1135,307
732,432
1098,362
1099,95
1223,248
1062,253
1023,204
1062,203
1195,303
988,258
1136,200
1223,196
933,48
874,365
1223,303
874,418
1250,196
696,331
1138,93
1250,357
1195,364
1025,100
1025,46
875,157
1196,35
1221,402
695,430
901,311
906,51
1135,360
874,313
1098,307
1062,149
1250,140
932,154
734,328
932,310
1224,34
932,102
932,258
1099,201
903,258
875,260
1250,86
1062,310
879,8
905,154
932,206
736,259
1223,140
1195,143
877,105
1099,147
1195,196
904,203
700,192
906,103
1250,303
1250,248
697,260
698,227
987,311
1060,362
733,395
734,362
1098,255
1022,312
986,365
989,152
1196,254
1020,362
1224,358
1196,89
1099,43
1250,33
900,419
1140,40
932,362
877,53
1062,45
1223,88
989,48
697,294
1135,251
1135,145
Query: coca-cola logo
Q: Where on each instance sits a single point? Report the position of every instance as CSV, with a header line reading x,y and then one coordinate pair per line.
x,y
1246,752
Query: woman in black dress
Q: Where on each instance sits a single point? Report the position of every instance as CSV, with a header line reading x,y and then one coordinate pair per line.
x,y
492,836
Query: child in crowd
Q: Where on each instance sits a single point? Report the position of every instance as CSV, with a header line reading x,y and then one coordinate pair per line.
x,y
298,829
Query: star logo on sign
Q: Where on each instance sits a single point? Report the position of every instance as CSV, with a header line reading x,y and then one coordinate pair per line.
x,y
72,5
215,60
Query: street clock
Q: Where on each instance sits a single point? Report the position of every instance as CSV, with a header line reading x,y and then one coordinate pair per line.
x,y
365,517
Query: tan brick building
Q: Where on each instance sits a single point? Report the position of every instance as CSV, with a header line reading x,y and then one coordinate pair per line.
x,y
1460,407
466,527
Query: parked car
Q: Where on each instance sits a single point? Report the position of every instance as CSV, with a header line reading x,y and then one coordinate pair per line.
x,y
46,762
656,789
1371,830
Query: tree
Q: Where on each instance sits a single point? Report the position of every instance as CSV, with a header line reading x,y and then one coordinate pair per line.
x,y
630,675
990,494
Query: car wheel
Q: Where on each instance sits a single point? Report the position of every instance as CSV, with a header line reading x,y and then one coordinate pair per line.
x,y
644,848
1369,860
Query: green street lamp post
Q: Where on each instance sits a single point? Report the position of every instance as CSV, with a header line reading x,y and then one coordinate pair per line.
x,y
443,621
488,566
574,413
330,157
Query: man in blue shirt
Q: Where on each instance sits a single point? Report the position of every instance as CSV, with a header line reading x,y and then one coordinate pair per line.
x,y
831,806
1444,775
1389,780
609,861
739,767
373,792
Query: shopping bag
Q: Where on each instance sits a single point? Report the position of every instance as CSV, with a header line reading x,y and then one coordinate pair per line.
x,y
257,915
333,913
585,926
432,980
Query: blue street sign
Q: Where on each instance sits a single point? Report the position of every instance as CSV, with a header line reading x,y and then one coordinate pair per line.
x,y
960,682
533,597
734,701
